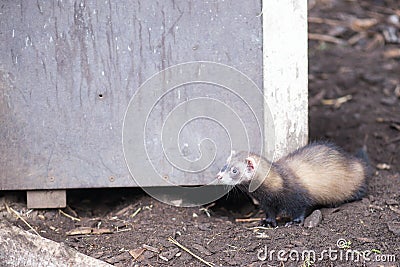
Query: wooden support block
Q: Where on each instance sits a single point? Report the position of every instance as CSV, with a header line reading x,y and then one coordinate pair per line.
x,y
46,199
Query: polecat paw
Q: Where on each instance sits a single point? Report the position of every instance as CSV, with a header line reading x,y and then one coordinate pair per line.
x,y
268,222
298,221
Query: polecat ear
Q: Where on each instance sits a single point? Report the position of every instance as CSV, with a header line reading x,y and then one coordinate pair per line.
x,y
251,163
233,152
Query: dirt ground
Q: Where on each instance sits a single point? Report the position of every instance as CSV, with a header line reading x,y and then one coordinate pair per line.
x,y
354,97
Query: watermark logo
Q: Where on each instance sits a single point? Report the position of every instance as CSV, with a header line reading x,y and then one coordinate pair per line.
x,y
342,252
183,122
343,243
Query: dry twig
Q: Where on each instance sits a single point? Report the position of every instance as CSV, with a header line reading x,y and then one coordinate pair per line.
x,y
22,219
394,140
89,231
69,216
136,212
248,219
337,102
173,241
256,228
324,38
150,248
331,22
356,38
360,25
377,41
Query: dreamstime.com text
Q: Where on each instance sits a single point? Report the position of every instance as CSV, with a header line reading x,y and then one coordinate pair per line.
x,y
344,254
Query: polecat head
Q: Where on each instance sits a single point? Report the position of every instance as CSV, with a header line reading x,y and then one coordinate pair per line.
x,y
239,168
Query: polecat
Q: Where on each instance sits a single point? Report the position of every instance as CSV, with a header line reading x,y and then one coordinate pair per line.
x,y
319,174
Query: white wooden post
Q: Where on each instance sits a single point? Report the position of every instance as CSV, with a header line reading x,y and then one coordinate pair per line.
x,y
285,73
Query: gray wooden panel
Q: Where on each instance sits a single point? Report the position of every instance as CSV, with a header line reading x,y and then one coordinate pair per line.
x,y
69,68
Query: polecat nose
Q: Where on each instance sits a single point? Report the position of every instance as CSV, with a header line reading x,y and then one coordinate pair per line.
x,y
219,176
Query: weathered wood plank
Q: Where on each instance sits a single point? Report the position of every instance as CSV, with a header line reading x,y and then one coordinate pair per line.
x,y
285,73
68,70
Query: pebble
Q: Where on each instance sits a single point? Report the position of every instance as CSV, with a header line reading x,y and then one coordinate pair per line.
x,y
204,226
394,227
148,254
314,219
392,202
297,243
202,249
169,254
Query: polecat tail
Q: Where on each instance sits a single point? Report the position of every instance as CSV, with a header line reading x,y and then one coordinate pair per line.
x,y
363,155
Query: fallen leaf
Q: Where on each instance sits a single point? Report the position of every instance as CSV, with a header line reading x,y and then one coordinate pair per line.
x,y
135,253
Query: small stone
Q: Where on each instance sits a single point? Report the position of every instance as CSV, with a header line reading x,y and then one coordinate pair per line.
x,y
97,254
394,19
232,262
394,209
202,249
185,257
148,254
391,202
365,239
33,215
297,243
394,227
389,101
169,254
204,226
121,257
383,166
313,220
365,201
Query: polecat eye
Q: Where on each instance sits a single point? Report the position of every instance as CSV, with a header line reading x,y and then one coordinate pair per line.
x,y
234,170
